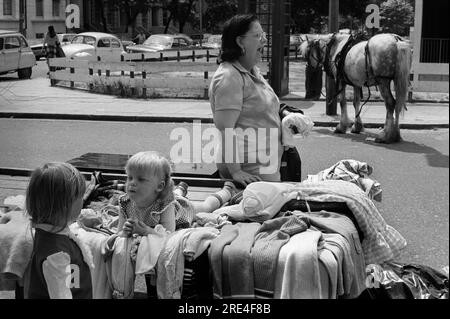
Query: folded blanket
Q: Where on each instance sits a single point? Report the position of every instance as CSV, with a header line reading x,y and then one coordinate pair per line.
x,y
16,243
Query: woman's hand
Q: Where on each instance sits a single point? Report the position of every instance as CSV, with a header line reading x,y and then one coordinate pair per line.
x,y
245,178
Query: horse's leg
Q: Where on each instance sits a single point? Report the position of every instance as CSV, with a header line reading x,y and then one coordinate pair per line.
x,y
358,125
389,133
344,122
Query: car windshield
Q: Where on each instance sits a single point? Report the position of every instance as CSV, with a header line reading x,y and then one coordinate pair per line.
x,y
86,39
65,37
159,40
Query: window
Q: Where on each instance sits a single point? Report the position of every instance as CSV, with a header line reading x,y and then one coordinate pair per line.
x,y
55,8
39,8
155,17
115,43
12,43
7,7
103,43
23,42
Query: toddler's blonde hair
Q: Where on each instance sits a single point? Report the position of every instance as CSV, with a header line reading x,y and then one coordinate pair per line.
x,y
153,163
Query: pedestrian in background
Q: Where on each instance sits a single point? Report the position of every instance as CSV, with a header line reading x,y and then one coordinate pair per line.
x,y
140,38
51,45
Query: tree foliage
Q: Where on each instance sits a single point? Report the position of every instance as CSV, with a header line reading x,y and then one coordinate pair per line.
x,y
396,16
217,12
311,16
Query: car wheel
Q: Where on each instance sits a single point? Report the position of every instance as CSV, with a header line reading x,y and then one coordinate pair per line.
x,y
24,73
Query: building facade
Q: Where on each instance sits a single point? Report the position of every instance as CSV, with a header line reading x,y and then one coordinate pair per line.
x,y
430,66
36,14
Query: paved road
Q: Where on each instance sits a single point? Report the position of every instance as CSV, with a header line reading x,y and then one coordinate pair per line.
x,y
414,174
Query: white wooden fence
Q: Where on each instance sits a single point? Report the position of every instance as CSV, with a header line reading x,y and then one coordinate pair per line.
x,y
176,78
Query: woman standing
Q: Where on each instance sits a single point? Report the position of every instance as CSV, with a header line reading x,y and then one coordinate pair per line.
x,y
245,107
51,44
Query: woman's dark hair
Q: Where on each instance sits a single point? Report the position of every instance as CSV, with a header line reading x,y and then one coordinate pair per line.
x,y
236,26
51,31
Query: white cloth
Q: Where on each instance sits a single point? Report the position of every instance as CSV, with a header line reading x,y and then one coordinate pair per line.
x,y
261,201
120,268
298,275
198,241
55,273
101,286
303,125
149,250
170,268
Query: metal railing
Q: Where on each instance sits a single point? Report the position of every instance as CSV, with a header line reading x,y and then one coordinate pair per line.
x,y
434,50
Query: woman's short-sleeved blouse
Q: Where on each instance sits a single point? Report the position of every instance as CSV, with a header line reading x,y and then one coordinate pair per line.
x,y
235,88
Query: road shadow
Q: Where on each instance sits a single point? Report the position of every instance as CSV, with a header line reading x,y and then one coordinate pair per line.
x,y
434,157
9,78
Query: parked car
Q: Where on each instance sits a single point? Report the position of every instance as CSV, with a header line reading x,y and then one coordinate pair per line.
x,y
214,42
38,45
15,54
163,42
90,45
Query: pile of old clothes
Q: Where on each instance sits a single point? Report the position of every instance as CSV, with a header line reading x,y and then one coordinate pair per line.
x,y
394,280
306,240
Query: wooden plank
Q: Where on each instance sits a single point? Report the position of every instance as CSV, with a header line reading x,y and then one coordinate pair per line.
x,y
69,63
181,83
64,76
153,67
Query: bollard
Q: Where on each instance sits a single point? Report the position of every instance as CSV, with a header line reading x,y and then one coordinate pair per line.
x,y
72,83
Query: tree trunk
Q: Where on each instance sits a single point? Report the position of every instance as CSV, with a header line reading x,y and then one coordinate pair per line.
x,y
103,17
183,21
168,22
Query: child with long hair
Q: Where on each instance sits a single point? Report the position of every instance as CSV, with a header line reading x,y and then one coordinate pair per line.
x,y
59,266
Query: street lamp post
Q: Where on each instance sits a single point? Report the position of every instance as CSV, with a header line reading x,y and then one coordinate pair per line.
x,y
333,26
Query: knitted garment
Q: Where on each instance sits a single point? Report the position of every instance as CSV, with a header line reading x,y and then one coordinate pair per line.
x,y
269,239
151,216
240,264
227,235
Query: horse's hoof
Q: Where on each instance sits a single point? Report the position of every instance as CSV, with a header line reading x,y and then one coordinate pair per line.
x,y
388,138
357,128
340,130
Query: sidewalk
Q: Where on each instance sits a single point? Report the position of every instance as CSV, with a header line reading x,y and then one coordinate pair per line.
x,y
37,99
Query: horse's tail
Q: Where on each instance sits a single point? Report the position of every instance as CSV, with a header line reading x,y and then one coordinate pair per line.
x,y
401,79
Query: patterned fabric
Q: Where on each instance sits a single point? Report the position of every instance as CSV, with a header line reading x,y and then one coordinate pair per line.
x,y
351,171
184,211
50,51
381,241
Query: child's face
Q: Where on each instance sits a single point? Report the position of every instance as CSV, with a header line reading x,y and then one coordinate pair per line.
x,y
143,187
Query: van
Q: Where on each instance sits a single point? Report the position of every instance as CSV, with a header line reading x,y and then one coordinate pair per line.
x,y
15,54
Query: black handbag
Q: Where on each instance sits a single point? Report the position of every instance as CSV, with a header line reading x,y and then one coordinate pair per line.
x,y
291,166
291,163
